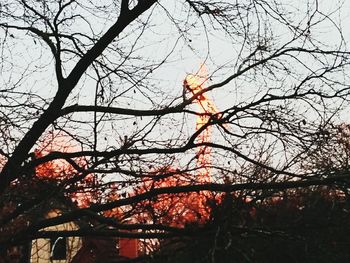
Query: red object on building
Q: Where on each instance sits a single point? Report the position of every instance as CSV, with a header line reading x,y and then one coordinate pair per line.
x,y
128,248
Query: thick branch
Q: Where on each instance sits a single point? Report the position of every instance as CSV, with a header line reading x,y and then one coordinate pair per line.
x,y
121,111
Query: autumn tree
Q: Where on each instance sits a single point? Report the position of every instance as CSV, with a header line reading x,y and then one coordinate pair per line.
x,y
108,77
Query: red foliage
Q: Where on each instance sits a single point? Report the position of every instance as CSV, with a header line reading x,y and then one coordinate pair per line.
x,y
173,209
60,169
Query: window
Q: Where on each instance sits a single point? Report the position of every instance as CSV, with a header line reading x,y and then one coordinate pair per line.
x,y
58,248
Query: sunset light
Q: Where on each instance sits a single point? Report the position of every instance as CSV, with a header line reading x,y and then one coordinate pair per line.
x,y
174,131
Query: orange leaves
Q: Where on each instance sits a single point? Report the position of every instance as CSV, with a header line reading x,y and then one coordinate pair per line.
x,y
59,168
173,209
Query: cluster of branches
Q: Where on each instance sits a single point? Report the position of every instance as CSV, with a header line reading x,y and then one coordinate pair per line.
x,y
89,111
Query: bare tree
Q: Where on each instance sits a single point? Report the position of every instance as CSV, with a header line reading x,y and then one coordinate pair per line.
x,y
92,94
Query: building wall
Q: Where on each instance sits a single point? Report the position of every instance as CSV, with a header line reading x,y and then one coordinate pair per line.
x,y
41,248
